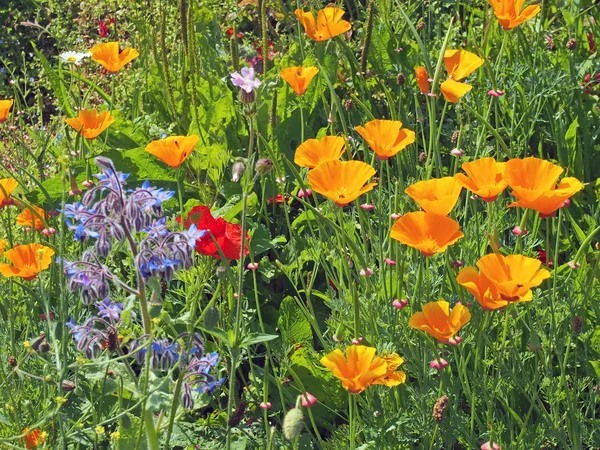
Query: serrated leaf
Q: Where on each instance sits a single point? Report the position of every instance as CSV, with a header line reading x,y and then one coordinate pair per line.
x,y
293,324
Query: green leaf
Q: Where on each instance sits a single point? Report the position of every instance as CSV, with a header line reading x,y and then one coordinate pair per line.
x,y
257,338
295,327
129,432
596,366
58,87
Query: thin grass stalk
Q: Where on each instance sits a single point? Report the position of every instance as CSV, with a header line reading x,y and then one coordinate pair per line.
x,y
368,33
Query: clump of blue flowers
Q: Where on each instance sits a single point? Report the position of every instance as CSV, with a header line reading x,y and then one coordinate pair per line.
x,y
109,214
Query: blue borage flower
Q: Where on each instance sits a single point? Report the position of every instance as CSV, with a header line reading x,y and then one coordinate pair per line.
x,y
109,310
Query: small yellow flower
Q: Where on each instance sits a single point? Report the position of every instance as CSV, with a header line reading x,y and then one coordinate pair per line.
x,y
156,321
27,345
81,360
115,435
100,429
60,400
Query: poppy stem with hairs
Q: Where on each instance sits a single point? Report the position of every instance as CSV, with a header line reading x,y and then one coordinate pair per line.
x,y
352,419
549,257
180,190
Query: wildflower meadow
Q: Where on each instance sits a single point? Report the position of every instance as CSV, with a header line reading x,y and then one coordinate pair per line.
x,y
282,225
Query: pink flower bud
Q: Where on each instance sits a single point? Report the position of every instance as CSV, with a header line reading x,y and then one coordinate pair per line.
x,y
252,266
493,93
490,446
366,272
518,232
87,183
48,231
356,341
389,262
395,216
574,265
455,340
304,193
438,364
566,203
367,206
308,400
457,152
500,93
267,405
399,304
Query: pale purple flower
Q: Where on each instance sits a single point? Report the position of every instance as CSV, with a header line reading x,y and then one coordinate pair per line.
x,y
246,80
457,152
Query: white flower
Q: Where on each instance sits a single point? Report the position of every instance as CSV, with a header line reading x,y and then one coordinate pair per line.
x,y
246,80
74,57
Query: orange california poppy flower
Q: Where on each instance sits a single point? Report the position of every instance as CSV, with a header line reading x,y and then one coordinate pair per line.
x,y
108,56
174,149
437,320
27,261
422,79
533,183
33,438
313,152
5,106
482,289
459,64
510,14
329,23
90,124
513,275
341,181
360,368
437,196
427,232
7,185
386,137
3,245
485,178
27,218
299,77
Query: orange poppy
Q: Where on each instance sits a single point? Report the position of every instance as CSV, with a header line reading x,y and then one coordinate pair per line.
x,y
299,77
509,13
386,137
437,320
90,124
7,185
482,289
422,79
360,368
437,196
341,181
485,178
3,245
459,64
513,276
27,261
33,438
5,106
313,152
533,183
27,218
108,56
329,23
174,149
427,232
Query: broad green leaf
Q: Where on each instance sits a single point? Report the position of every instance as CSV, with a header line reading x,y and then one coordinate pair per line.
x,y
293,324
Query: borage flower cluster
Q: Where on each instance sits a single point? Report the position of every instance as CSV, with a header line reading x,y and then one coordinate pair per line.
x,y
109,214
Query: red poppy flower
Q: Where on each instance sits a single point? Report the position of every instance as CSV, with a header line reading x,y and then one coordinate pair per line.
x,y
543,258
227,235
278,199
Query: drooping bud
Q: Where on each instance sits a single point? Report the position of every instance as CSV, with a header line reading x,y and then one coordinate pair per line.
x,y
237,171
263,166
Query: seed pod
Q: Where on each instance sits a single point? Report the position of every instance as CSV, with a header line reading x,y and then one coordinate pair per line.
x,y
293,423
439,408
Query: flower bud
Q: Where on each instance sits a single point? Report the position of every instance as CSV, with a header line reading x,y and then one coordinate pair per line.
x,y
247,97
237,171
293,423
263,166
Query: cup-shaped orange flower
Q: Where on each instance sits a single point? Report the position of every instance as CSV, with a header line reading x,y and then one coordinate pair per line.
x,y
513,276
7,185
341,181
427,232
422,79
5,106
27,218
437,196
459,64
33,438
386,137
533,182
299,77
438,321
485,178
313,152
26,261
360,368
482,289
329,23
174,149
109,57
90,124
510,13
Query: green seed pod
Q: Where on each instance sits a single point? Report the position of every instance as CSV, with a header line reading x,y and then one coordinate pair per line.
x,y
292,424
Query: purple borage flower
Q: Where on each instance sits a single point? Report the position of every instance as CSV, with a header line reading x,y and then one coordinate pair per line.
x,y
109,310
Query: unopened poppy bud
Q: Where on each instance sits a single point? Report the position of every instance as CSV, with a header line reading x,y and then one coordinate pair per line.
x,y
293,423
518,232
48,231
263,166
367,206
399,304
266,405
304,193
422,156
356,341
457,152
490,446
44,346
308,400
395,216
389,262
400,79
87,183
573,265
366,272
73,185
237,170
252,266
455,340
